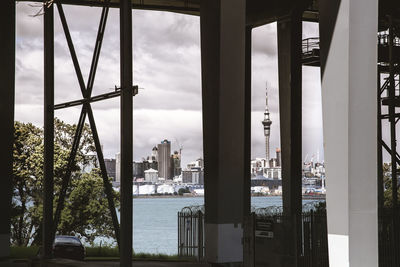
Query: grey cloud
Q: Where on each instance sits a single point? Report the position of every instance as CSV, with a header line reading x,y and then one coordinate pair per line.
x,y
166,64
264,40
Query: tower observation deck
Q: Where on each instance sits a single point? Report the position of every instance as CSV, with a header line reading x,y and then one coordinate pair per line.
x,y
348,61
267,127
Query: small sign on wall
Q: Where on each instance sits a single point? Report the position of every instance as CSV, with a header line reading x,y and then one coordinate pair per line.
x,y
264,229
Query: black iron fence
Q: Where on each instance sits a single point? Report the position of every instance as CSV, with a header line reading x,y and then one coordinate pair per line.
x,y
272,230
389,237
314,239
268,231
191,232
310,45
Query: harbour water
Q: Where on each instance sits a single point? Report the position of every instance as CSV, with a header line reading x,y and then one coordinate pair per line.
x,y
155,221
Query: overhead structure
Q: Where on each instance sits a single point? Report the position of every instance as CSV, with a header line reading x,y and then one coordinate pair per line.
x,y
348,60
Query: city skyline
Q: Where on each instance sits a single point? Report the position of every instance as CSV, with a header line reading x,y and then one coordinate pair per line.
x,y
169,107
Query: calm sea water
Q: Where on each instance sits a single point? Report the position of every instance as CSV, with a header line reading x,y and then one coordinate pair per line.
x,y
155,221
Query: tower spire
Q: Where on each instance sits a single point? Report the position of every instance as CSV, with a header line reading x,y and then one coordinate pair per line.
x,y
267,126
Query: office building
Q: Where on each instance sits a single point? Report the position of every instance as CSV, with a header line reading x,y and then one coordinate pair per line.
x,y
164,159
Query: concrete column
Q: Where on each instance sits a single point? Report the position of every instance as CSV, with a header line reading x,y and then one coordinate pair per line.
x,y
348,31
247,126
7,92
223,79
290,105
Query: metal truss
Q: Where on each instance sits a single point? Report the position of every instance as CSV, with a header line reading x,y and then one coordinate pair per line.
x,y
86,110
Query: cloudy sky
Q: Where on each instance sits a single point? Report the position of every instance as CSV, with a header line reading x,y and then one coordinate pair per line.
x,y
166,65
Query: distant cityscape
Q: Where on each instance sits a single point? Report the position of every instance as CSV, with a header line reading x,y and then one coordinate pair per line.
x,y
161,173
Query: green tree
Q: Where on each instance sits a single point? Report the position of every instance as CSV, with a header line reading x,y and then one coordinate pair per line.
x,y
86,211
28,185
387,183
182,191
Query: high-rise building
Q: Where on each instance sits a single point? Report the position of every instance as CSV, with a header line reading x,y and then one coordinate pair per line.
x,y
278,157
151,176
138,169
267,127
164,159
176,164
154,154
118,167
110,167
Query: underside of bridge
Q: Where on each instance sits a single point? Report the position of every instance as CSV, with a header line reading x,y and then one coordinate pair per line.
x,y
348,31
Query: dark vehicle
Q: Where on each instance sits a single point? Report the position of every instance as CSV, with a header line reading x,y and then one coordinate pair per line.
x,y
68,247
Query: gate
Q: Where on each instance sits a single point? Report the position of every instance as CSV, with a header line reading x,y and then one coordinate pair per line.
x,y
191,232
270,229
264,236
314,239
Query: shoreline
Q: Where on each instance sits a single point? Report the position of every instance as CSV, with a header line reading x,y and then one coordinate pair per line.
x,y
308,197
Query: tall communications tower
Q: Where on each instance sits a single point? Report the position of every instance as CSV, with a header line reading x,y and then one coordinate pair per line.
x,y
267,127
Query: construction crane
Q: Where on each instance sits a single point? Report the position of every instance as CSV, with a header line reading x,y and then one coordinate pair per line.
x,y
180,146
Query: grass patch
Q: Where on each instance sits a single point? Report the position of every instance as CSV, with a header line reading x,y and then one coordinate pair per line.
x,y
104,251
97,253
148,256
23,252
112,253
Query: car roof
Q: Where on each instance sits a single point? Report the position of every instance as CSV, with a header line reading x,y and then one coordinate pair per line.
x,y
67,237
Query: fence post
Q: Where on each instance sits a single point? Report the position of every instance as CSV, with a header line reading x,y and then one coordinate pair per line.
x,y
313,239
200,237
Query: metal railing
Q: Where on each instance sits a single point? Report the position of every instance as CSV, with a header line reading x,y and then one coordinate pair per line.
x,y
310,45
312,233
388,251
383,39
191,232
271,223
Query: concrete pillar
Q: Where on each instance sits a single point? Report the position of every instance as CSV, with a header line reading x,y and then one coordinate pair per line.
x,y
223,79
348,31
7,92
290,105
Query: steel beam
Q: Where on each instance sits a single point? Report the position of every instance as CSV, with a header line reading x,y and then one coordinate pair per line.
x,y
126,233
71,49
97,48
393,145
107,185
247,125
7,96
91,99
48,172
87,100
290,105
71,161
387,116
380,185
86,109
387,148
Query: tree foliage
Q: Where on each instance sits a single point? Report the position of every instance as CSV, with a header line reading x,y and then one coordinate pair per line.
x,y
86,211
387,185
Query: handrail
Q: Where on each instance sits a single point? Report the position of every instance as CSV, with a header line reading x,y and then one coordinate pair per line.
x,y
310,44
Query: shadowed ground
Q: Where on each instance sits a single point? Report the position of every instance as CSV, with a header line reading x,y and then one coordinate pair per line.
x,y
72,263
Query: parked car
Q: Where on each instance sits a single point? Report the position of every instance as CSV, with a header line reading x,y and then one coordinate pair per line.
x,y
68,247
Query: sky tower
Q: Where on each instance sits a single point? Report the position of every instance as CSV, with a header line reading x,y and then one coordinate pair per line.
x,y
267,127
